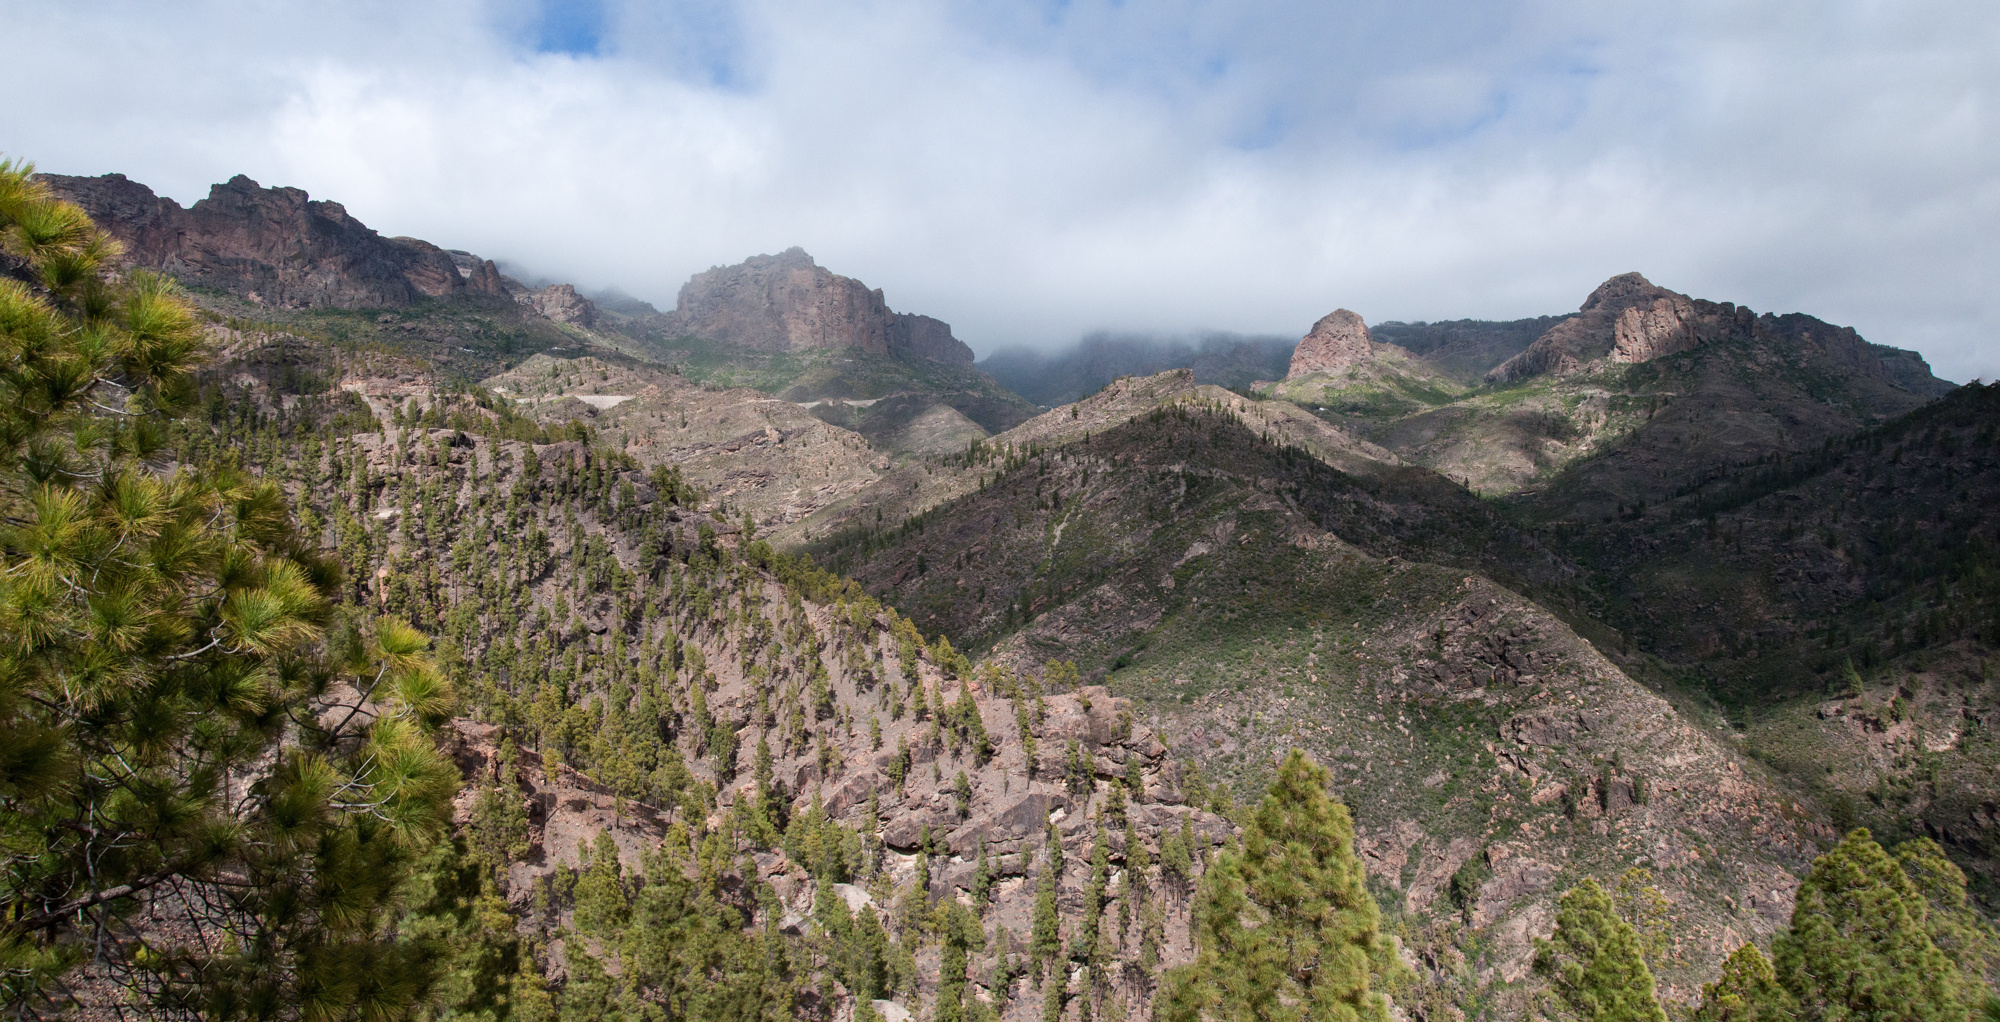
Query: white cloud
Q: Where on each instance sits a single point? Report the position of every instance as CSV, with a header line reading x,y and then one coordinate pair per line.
x,y
1030,171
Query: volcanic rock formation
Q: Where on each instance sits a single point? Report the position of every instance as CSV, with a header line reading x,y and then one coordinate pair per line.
x,y
1628,318
561,303
786,302
270,245
1338,340
1646,332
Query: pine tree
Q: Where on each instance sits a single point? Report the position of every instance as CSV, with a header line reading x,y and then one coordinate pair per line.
x,y
1747,991
164,643
1132,895
601,904
962,936
1284,925
1954,925
1045,940
1093,899
924,861
982,880
1594,961
1859,944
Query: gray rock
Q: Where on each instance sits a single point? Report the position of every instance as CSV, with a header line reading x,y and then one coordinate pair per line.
x,y
1021,818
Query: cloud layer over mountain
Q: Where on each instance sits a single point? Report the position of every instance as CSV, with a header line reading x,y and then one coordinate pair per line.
x,y
1031,171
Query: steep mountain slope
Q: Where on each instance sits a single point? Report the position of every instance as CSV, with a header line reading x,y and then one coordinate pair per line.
x,y
1492,757
787,302
1246,597
1844,596
768,458
1765,385
736,754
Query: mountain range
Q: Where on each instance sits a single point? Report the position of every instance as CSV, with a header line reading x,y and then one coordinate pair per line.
x,y
1664,593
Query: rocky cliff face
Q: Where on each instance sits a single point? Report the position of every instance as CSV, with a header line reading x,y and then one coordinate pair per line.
x,y
272,246
787,302
1338,340
1595,331
1646,332
561,303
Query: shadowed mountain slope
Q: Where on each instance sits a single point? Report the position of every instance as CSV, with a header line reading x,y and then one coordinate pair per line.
x,y
1249,597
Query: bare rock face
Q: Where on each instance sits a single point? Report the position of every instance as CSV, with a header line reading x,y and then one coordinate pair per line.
x,y
1627,319
1338,340
480,274
1647,332
561,303
787,302
269,245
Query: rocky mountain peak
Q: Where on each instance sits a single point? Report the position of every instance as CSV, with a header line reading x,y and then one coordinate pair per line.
x,y
794,258
788,302
1621,291
272,246
1339,339
1626,319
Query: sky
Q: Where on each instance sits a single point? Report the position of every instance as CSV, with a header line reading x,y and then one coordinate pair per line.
x,y
1032,171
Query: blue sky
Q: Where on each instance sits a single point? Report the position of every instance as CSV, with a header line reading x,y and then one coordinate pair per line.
x,y
1032,171
574,27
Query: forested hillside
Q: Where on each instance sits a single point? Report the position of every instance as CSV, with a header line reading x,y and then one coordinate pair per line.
x,y
336,684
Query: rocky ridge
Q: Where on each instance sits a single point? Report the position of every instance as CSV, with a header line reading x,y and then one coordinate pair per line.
x,y
913,488
1600,387
271,246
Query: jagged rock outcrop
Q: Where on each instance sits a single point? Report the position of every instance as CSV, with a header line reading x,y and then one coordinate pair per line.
x,y
1601,328
1629,319
1338,340
481,274
270,245
1646,332
561,303
787,302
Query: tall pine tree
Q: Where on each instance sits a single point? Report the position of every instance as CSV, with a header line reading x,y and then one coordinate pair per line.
x,y
1594,961
1747,991
1284,924
1860,945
